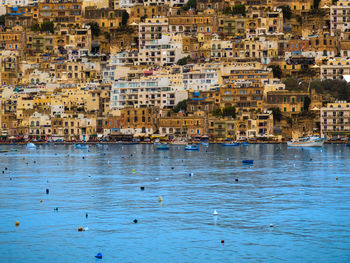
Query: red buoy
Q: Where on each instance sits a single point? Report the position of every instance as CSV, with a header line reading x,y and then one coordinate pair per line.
x,y
222,241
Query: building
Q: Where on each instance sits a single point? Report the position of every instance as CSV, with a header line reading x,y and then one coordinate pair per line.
x,y
335,119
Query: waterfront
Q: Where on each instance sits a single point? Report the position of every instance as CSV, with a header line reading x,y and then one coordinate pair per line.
x,y
296,190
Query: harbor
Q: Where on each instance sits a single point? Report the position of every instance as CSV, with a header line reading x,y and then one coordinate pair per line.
x,y
288,203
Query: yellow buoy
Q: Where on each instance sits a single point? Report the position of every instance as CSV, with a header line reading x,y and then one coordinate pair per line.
x,y
160,199
17,223
133,170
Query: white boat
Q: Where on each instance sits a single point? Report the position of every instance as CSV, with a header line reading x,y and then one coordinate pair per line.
x,y
313,141
31,145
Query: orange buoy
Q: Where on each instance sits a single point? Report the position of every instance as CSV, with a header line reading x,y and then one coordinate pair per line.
x,y
17,223
222,241
80,229
41,201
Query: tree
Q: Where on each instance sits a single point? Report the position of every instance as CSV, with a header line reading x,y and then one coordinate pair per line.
x,y
277,114
307,102
276,70
316,4
238,9
229,112
47,27
183,61
2,20
181,106
35,27
125,18
191,4
291,84
287,12
95,29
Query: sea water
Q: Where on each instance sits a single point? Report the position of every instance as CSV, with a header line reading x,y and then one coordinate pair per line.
x,y
291,205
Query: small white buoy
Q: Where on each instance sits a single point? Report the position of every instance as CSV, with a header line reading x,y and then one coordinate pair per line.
x,y
215,213
271,225
191,174
86,228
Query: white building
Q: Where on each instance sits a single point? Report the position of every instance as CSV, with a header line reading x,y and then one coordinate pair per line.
x,y
335,119
201,79
340,17
145,93
162,52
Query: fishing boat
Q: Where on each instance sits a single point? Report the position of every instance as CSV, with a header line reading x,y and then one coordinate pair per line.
x,y
163,147
206,144
31,145
312,141
191,147
80,146
228,144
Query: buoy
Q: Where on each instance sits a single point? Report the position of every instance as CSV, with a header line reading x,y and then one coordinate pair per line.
x,y
17,223
222,241
142,188
160,199
86,215
190,174
47,191
5,168
133,170
83,157
99,256
86,228
41,201
34,161
336,178
3,172
55,209
80,229
236,179
215,213
135,221
172,168
271,225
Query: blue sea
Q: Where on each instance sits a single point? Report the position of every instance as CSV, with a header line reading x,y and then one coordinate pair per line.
x,y
291,205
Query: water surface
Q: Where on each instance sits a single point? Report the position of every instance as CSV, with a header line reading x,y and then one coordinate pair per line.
x,y
303,193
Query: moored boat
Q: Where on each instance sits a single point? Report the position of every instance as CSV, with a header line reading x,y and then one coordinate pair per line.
x,y
163,147
31,145
312,141
81,146
206,144
191,147
228,144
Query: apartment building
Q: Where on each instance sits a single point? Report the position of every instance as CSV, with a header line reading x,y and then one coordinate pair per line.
x,y
335,119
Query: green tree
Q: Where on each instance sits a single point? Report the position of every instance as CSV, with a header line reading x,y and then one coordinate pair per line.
x,y
125,18
291,84
183,61
316,4
47,27
181,106
35,27
191,4
229,112
95,29
217,112
2,20
287,12
307,102
277,114
276,70
238,9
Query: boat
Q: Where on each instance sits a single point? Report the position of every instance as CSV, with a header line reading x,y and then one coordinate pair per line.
x,y
79,146
228,144
179,142
163,147
245,143
31,145
312,141
3,151
206,144
191,147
